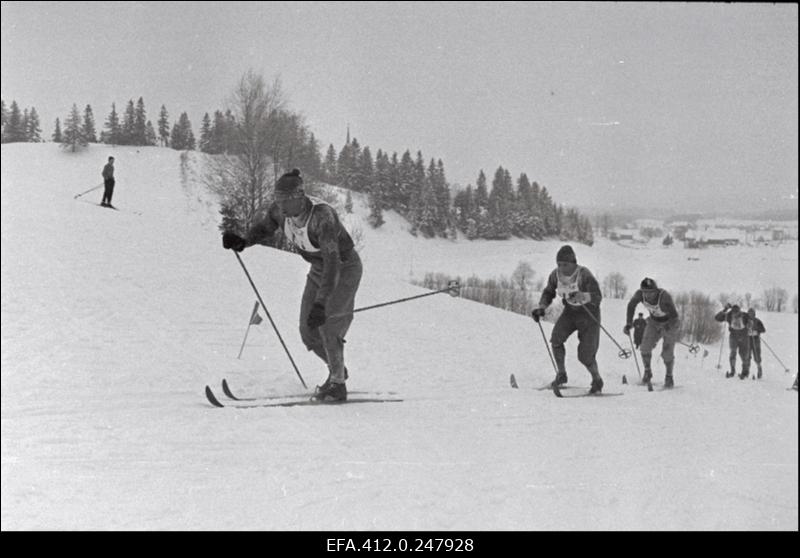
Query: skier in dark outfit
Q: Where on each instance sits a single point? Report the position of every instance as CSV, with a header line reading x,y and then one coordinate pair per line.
x,y
663,324
580,293
738,338
755,328
321,239
108,182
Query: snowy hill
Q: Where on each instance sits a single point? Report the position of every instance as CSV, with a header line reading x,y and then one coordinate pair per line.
x,y
113,322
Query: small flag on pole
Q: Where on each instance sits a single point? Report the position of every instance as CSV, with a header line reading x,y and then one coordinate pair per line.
x,y
255,319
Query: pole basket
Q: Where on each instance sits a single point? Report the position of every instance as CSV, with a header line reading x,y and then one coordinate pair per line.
x,y
624,353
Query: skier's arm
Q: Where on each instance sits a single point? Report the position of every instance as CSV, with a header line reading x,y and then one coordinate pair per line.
x,y
549,292
263,229
324,223
668,306
590,285
721,315
760,326
632,304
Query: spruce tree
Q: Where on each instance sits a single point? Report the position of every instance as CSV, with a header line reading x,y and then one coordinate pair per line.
x,y
89,130
205,134
163,127
129,125
329,167
140,124
72,136
57,132
13,130
34,128
150,134
113,129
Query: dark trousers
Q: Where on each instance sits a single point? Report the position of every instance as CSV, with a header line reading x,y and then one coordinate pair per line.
x,y
576,319
755,348
327,341
738,340
109,190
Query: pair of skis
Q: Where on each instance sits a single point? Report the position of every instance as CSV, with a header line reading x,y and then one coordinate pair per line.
x,y
565,391
292,400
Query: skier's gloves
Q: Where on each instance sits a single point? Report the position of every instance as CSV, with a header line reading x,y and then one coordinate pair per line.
x,y
232,241
537,314
627,329
317,315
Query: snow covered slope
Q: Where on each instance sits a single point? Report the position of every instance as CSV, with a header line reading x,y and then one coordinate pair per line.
x,y
113,323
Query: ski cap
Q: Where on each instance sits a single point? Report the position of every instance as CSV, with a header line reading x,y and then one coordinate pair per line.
x,y
566,254
735,309
289,186
751,312
648,284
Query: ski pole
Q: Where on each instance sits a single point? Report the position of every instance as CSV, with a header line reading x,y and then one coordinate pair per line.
x,y
773,354
87,191
253,313
721,347
623,353
452,286
635,358
264,306
547,345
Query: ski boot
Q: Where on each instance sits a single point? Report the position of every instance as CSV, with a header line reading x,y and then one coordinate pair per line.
x,y
759,372
744,374
668,381
597,385
327,383
333,393
648,376
561,379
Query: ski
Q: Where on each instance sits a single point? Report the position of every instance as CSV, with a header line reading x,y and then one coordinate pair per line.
x,y
229,393
583,393
297,403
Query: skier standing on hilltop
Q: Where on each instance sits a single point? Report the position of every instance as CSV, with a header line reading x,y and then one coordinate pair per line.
x,y
108,182
580,294
755,328
321,239
663,322
737,338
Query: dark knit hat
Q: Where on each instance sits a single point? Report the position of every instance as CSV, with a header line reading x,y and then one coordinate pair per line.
x,y
735,308
648,284
751,311
566,254
289,186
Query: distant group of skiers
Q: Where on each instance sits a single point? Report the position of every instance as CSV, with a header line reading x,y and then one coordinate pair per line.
x,y
326,310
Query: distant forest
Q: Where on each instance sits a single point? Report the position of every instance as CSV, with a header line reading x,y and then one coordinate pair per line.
x,y
416,189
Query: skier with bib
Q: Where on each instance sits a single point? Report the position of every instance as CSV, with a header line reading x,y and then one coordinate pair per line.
x,y
326,309
580,295
738,339
662,324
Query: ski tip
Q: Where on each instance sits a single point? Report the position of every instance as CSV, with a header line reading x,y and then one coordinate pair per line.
x,y
557,391
227,390
212,398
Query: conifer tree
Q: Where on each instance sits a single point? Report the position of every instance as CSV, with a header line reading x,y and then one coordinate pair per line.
x,y
89,130
72,136
57,132
163,127
113,134
150,134
13,130
34,127
205,134
329,171
140,124
128,125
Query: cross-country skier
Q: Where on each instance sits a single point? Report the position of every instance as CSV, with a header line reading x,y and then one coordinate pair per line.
x,y
663,323
108,182
580,294
738,338
755,328
321,239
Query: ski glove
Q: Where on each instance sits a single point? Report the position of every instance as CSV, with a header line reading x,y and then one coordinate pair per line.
x,y
233,241
537,314
317,315
627,329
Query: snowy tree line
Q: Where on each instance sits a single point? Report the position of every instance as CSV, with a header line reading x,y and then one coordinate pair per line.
x,y
20,125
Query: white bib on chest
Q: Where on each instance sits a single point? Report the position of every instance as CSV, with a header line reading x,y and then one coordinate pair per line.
x,y
298,234
568,285
654,309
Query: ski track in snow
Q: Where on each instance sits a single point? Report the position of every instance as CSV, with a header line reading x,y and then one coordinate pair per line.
x,y
112,323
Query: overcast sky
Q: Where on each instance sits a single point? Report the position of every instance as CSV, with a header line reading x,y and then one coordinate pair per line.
x,y
682,106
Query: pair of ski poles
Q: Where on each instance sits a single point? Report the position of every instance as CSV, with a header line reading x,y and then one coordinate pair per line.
x,y
76,196
453,288
623,353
